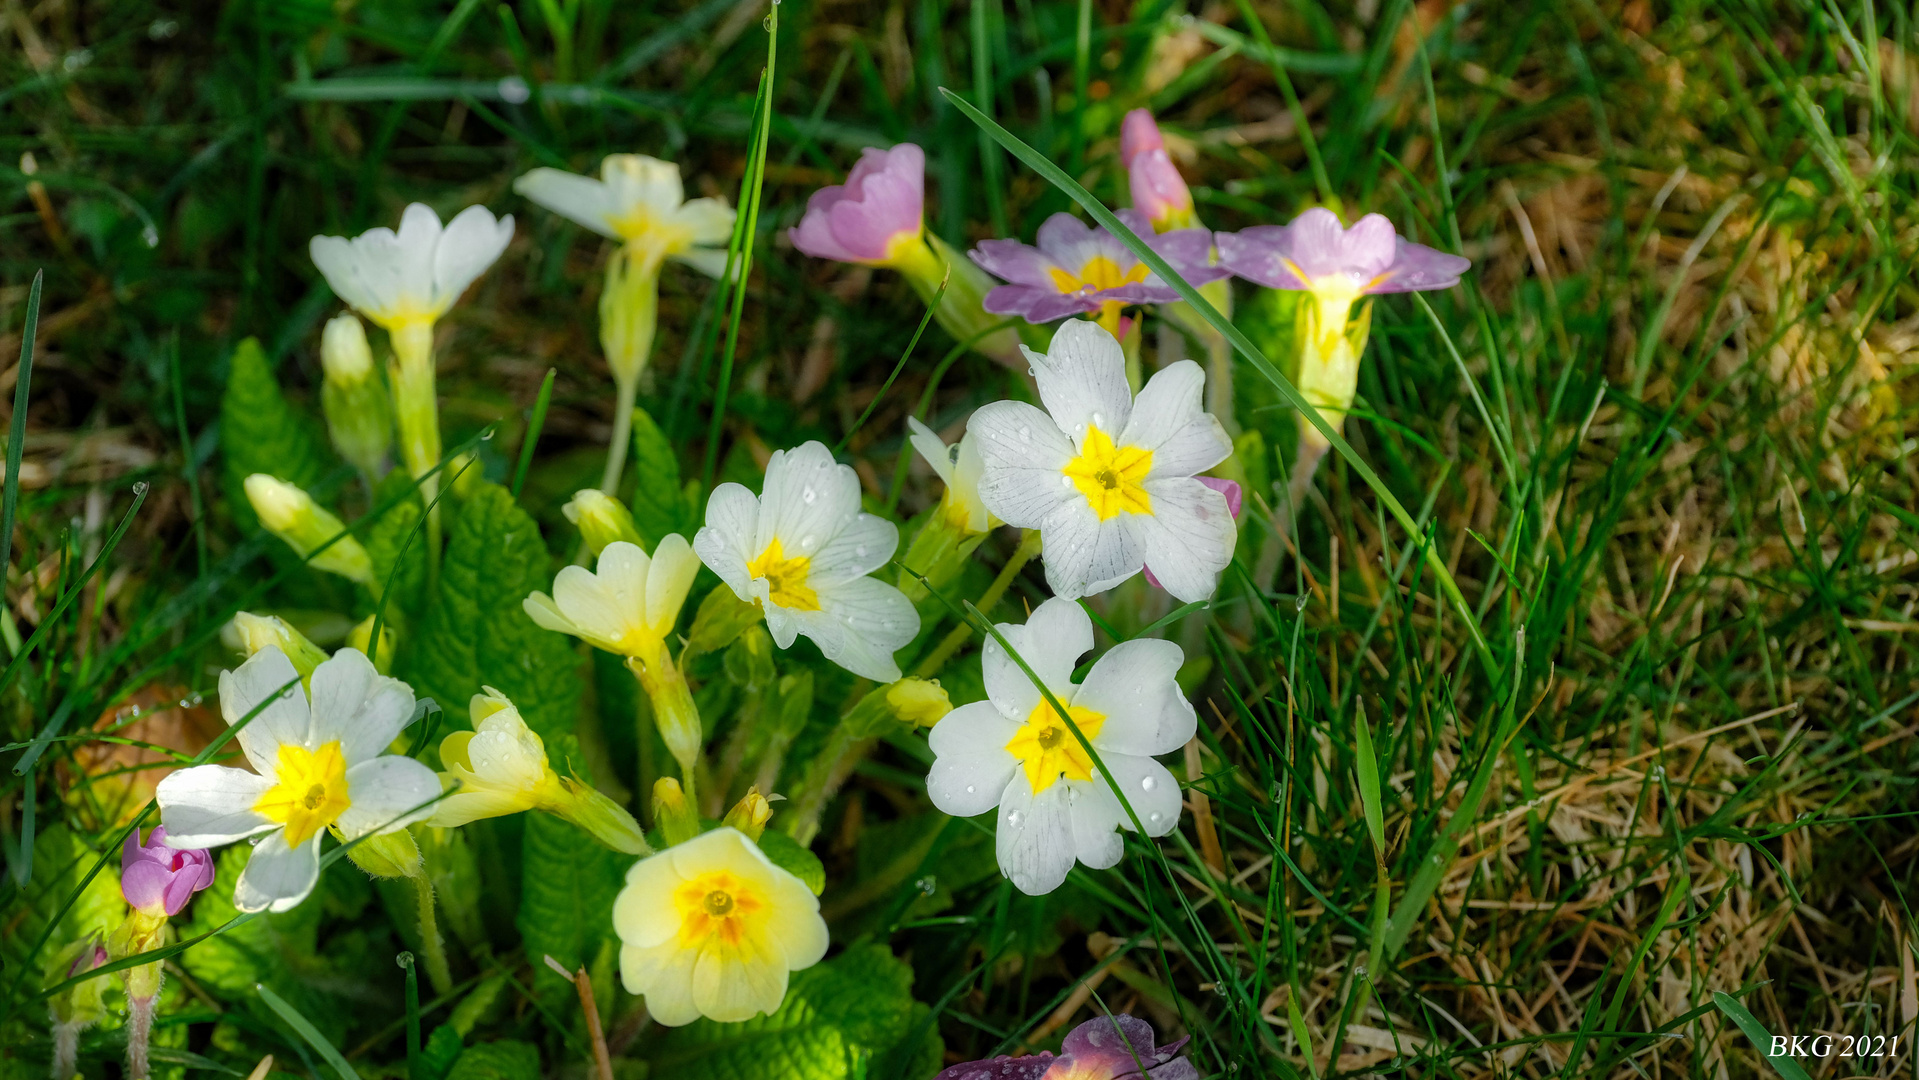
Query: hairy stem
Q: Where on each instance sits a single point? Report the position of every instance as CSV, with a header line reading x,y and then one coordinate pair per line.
x,y
1029,546
437,971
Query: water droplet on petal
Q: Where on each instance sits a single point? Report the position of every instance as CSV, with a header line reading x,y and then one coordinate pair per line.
x,y
860,550
1099,420
1154,817
1013,818
971,789
1147,783
807,494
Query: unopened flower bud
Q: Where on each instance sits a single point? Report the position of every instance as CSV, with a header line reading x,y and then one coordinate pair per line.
x,y
256,632
388,855
673,812
921,702
358,415
722,617
361,638
602,818
1158,190
750,814
602,520
291,514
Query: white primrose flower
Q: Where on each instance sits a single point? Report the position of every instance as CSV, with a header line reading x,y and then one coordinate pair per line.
x,y
316,766
411,277
1107,479
639,200
1013,751
802,551
959,467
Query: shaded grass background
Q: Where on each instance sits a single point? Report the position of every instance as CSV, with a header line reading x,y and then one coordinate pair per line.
x,y
1683,504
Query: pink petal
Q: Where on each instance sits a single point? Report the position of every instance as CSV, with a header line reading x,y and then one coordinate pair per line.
x,y
1138,134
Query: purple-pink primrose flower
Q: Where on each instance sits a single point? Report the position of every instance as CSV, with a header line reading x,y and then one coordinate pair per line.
x,y
156,878
1159,191
1314,253
1103,1048
1228,488
875,217
1083,269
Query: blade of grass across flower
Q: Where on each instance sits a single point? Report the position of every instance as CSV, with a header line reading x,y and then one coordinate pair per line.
x,y
307,1031
1105,217
533,425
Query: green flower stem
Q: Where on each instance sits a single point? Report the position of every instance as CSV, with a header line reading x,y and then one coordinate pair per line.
x,y
625,392
431,943
674,712
629,316
416,408
1029,545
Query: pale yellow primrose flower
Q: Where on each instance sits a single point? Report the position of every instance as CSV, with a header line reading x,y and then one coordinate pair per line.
x,y
628,608
291,514
802,550
712,928
959,467
639,200
314,767
501,768
257,632
601,519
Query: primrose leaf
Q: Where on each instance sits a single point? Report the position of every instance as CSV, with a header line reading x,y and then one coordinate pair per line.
x,y
478,634
789,855
566,894
384,540
261,432
839,1020
508,1059
60,859
659,506
442,1049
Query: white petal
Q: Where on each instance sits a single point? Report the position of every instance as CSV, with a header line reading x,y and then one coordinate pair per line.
x,y
667,582
209,805
1096,815
972,767
596,603
265,674
1133,687
1051,642
1151,790
1085,556
710,221
932,448
386,794
1169,421
785,625
859,626
1023,454
1035,837
863,546
354,703
1188,538
546,614
408,258
708,261
470,244
808,498
277,877
1082,380
580,199
732,520
339,263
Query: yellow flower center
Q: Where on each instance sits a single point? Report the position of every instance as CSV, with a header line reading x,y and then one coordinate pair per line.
x,y
1111,477
649,236
785,578
1098,273
719,905
311,794
1046,748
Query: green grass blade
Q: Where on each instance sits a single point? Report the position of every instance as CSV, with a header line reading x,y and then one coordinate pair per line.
x,y
931,306
17,426
1761,1038
533,425
307,1031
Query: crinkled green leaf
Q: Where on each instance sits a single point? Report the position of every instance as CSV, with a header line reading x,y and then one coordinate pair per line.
x,y
788,854
478,633
60,859
261,432
838,1019
508,1059
437,1057
385,539
566,894
659,506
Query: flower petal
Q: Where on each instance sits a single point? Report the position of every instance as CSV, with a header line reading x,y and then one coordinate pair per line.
x,y
1082,380
808,497
580,199
972,766
794,924
1418,268
1259,255
1034,841
354,703
284,720
664,974
209,805
1022,454
1189,537
932,448
1096,816
277,877
732,520
1133,686
470,244
1085,556
860,624
863,546
386,794
669,580
738,982
1051,642
644,914
1151,790
1169,420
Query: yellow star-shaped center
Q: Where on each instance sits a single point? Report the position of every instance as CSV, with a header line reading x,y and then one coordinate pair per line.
x,y
1111,477
1046,748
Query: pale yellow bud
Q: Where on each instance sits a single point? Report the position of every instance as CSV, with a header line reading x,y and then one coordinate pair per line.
x,y
602,520
344,353
750,814
388,855
673,812
256,632
359,417
291,514
361,638
921,702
